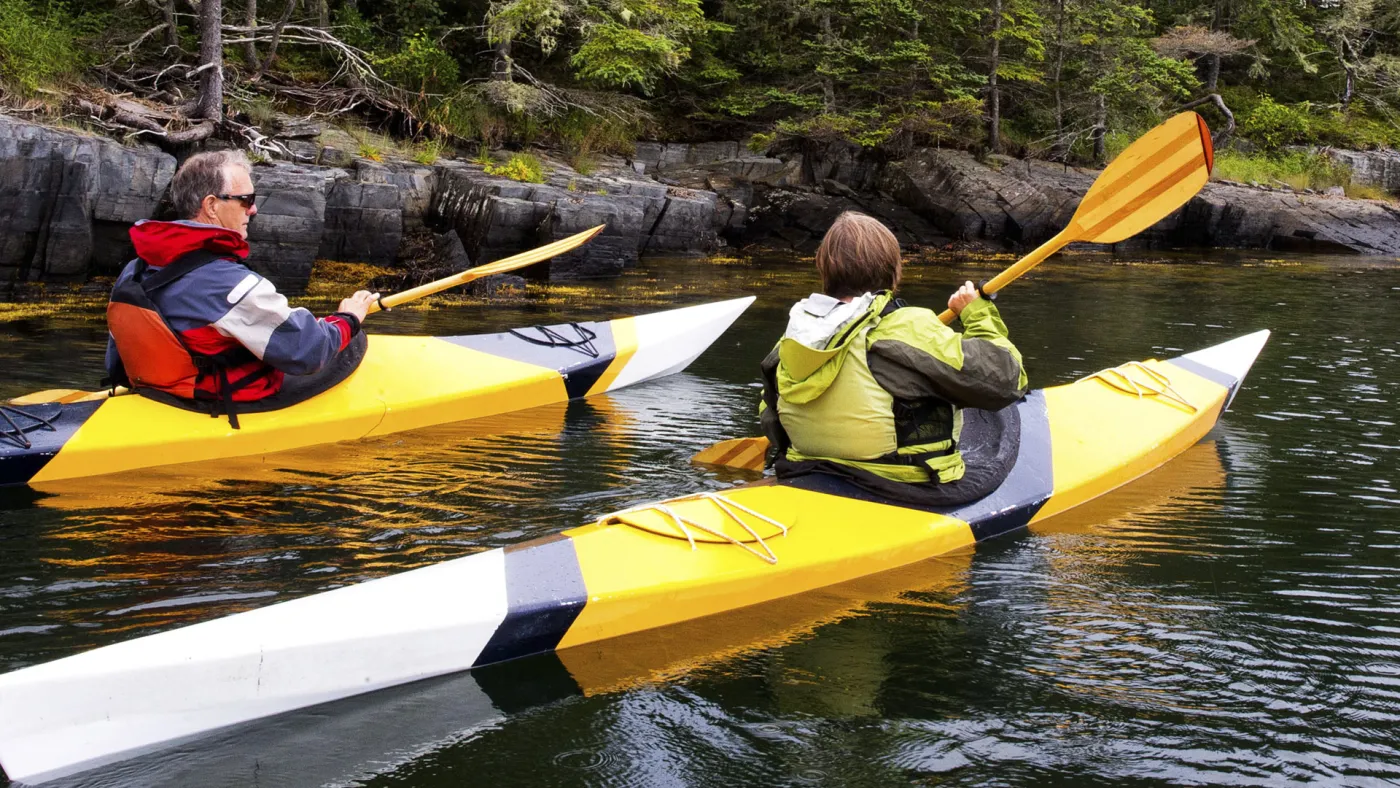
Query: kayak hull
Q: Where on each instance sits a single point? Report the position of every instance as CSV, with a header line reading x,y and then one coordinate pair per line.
x,y
404,383
654,566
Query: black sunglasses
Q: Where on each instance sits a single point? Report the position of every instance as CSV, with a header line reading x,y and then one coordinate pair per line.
x,y
247,199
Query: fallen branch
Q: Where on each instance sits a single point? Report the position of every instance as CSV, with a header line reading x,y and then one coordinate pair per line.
x,y
196,133
1214,98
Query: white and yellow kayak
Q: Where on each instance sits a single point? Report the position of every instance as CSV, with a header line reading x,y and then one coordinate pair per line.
x,y
652,566
404,383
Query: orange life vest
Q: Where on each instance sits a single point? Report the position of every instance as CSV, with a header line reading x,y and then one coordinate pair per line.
x,y
154,356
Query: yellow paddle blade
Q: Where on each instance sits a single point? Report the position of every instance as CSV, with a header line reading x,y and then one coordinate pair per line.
x,y
1151,178
502,266
743,453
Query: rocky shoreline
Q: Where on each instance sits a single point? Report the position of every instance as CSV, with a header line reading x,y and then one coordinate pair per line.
x,y
72,196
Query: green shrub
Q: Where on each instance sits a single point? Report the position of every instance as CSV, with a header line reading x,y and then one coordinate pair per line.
x,y
421,65
352,27
582,133
1272,125
760,142
261,110
428,151
524,167
1355,130
38,47
583,163
1298,169
616,56
1359,191
369,145
894,127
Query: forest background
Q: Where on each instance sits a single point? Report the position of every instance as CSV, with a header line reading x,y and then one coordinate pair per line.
x,y
1068,80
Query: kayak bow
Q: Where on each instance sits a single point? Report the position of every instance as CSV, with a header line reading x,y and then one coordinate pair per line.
x,y
403,383
648,567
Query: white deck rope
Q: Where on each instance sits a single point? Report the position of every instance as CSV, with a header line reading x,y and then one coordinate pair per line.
x,y
1157,384
683,524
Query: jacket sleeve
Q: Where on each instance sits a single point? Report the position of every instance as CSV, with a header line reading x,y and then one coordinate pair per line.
x,y
914,356
291,340
768,408
116,371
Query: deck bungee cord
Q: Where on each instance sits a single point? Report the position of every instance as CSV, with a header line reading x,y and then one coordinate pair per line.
x,y
15,432
687,526
1157,384
583,343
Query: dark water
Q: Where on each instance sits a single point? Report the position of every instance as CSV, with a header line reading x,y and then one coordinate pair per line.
x,y
1233,618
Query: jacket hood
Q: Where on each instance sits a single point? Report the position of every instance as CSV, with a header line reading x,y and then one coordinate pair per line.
x,y
162,243
820,333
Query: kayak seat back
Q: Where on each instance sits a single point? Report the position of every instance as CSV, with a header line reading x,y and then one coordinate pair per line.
x,y
990,444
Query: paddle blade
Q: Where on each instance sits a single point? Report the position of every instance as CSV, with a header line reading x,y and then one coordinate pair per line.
x,y
1151,178
742,453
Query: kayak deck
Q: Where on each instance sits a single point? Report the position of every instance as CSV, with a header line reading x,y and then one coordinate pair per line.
x,y
649,567
404,383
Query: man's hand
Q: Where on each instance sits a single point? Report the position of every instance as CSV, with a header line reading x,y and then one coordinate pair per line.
x,y
358,304
965,295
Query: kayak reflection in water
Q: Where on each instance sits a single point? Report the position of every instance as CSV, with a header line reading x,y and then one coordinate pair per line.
x,y
870,389
191,325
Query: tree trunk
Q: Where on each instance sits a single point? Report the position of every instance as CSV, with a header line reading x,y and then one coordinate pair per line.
x,y
211,60
1349,90
993,92
287,12
1059,150
323,13
1217,20
172,30
501,70
250,49
828,89
1100,127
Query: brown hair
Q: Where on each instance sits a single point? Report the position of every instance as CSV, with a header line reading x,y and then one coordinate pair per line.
x,y
201,175
859,255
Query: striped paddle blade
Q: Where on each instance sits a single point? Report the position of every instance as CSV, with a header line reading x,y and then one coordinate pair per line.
x,y
742,453
1151,178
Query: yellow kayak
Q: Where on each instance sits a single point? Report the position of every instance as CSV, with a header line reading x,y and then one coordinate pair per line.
x,y
652,566
403,383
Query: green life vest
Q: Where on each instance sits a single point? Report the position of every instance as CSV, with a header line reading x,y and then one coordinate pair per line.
x,y
833,408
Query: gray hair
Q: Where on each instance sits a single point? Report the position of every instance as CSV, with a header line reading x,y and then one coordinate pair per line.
x,y
201,175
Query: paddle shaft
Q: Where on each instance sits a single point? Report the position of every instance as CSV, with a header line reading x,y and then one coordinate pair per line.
x,y
502,266
1011,274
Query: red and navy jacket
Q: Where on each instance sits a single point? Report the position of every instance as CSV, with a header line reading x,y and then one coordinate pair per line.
x,y
222,305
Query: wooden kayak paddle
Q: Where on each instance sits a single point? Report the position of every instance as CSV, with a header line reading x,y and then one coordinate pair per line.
x,y
504,265
1154,176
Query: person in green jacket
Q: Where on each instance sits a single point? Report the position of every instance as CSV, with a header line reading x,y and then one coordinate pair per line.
x,y
870,389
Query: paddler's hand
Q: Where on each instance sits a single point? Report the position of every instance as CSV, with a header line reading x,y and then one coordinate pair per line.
x,y
358,304
965,295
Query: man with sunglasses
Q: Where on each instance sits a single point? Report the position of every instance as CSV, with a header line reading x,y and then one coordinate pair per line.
x,y
192,325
